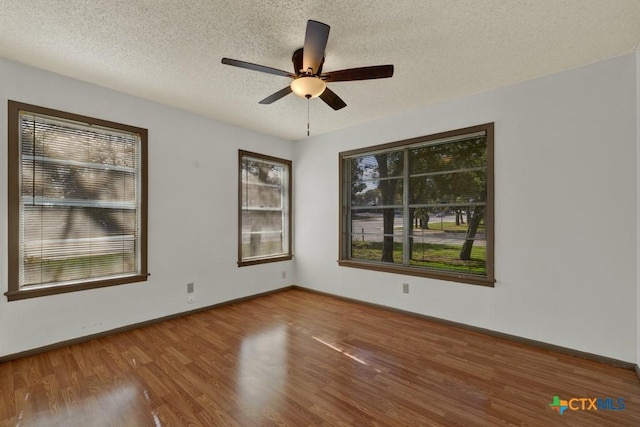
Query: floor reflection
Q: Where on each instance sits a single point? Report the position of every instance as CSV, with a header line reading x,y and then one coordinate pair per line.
x,y
262,368
339,350
111,407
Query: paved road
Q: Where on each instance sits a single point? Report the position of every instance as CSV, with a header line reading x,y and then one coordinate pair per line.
x,y
373,227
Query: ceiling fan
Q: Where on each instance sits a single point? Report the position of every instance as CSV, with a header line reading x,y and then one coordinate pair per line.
x,y
308,79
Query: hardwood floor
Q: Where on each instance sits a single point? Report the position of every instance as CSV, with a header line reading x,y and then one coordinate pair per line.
x,y
298,358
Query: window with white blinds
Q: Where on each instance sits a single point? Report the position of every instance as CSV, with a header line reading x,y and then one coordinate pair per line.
x,y
264,233
78,202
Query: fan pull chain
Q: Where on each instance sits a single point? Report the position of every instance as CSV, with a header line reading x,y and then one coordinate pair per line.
x,y
308,97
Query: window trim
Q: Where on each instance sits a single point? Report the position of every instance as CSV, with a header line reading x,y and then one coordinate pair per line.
x,y
489,280
289,215
14,197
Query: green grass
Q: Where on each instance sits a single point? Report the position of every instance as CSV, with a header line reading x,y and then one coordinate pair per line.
x,y
451,226
430,255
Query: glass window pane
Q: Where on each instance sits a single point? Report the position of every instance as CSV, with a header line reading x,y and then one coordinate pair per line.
x,y
442,252
262,244
261,221
455,187
256,171
261,196
465,154
376,235
385,192
366,171
452,219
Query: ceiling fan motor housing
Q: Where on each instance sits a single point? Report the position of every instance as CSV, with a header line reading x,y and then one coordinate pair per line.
x,y
297,63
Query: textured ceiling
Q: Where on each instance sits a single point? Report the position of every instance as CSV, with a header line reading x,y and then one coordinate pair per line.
x,y
170,51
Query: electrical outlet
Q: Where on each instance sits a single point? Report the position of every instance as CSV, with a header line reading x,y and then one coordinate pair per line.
x,y
284,274
405,288
190,288
191,298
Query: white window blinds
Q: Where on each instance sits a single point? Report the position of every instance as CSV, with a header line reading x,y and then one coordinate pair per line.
x,y
79,202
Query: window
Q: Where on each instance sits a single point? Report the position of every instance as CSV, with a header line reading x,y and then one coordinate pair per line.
x,y
264,232
77,202
421,207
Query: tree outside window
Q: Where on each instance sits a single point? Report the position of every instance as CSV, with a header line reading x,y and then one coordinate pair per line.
x,y
421,207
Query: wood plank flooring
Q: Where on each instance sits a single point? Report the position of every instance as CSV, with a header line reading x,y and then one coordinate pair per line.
x,y
299,358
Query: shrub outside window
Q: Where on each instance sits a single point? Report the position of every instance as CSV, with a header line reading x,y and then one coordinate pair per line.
x,y
421,207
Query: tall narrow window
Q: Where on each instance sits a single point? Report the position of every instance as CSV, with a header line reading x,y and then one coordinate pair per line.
x,y
264,233
77,202
421,207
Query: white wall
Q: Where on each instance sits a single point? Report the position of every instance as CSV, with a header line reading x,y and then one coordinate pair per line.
x,y
192,215
565,154
638,200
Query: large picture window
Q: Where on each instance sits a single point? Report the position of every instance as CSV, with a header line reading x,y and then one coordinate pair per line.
x,y
264,233
421,207
77,202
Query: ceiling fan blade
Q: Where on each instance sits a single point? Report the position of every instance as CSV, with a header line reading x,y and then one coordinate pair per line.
x,y
279,94
315,42
362,73
256,67
332,100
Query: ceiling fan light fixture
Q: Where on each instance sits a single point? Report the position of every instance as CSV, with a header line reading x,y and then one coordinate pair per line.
x,y
308,87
